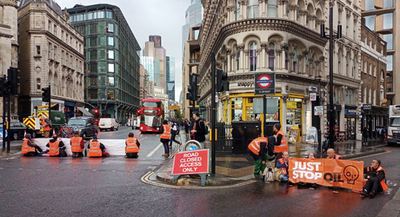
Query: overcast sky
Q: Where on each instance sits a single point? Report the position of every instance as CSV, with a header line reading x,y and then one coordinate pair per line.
x,y
152,17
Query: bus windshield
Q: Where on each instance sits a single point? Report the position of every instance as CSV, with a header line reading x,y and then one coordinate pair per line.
x,y
395,122
150,120
151,104
76,122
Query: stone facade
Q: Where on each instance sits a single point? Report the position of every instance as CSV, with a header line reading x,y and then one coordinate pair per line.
x,y
282,36
8,46
51,54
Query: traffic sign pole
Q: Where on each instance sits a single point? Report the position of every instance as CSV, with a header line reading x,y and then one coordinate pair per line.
x,y
4,113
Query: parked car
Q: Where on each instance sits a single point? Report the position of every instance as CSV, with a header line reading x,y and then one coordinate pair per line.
x,y
108,124
85,125
17,130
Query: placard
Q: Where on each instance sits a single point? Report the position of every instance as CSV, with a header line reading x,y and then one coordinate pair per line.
x,y
191,162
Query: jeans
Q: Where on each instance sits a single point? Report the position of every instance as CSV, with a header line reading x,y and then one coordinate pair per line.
x,y
284,178
166,146
173,135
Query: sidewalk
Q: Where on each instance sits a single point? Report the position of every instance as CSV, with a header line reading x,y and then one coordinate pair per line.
x,y
232,169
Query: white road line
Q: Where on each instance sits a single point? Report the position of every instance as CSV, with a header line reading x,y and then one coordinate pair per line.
x,y
154,151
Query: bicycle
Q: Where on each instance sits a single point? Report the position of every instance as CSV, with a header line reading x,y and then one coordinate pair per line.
x,y
65,132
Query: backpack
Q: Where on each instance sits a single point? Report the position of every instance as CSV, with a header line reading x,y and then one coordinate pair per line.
x,y
206,130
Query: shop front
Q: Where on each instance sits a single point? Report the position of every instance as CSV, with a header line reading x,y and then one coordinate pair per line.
x,y
350,122
242,108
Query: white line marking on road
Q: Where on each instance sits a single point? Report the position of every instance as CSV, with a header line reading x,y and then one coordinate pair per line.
x,y
370,155
154,150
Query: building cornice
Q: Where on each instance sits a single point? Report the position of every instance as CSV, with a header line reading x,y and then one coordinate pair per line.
x,y
12,3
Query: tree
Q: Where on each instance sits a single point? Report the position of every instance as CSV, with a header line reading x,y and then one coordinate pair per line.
x,y
178,115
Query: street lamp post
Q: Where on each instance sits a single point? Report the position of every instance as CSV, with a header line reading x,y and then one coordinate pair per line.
x,y
331,40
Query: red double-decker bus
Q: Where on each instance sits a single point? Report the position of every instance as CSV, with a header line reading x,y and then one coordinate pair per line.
x,y
151,115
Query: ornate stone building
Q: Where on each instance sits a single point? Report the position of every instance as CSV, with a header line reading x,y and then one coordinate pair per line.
x,y
51,54
281,36
8,45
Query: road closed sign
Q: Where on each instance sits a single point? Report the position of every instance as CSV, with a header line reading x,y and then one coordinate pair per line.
x,y
191,162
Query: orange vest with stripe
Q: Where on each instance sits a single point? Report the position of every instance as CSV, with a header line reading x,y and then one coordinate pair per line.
x,y
284,170
131,145
382,182
26,148
284,144
54,148
76,144
167,132
254,146
95,150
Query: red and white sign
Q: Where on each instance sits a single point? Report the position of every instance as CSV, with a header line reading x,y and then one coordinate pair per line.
x,y
313,97
191,162
264,81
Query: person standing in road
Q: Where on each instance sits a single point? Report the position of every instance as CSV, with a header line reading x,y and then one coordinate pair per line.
x,y
257,149
77,145
365,135
96,148
28,148
165,137
174,132
132,146
199,129
281,143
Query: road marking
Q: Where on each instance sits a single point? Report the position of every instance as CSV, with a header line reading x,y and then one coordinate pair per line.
x,y
154,151
370,155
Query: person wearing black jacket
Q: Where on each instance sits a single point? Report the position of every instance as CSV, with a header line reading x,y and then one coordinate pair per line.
x,y
199,129
375,179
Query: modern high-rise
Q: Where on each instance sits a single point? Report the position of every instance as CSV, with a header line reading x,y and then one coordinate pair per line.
x,y
152,65
112,62
193,17
380,16
51,55
8,45
153,48
171,77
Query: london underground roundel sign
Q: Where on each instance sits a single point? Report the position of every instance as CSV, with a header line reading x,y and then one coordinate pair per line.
x,y
265,84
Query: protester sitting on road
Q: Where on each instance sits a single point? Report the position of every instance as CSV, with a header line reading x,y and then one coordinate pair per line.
x,y
28,148
77,145
56,147
311,155
332,155
258,150
283,164
374,178
132,146
96,148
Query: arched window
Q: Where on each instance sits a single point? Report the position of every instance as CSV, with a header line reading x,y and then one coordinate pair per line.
x,y
237,10
294,60
272,8
252,9
253,56
339,70
271,56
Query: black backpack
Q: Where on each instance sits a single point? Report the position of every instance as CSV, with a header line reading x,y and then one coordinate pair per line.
x,y
206,130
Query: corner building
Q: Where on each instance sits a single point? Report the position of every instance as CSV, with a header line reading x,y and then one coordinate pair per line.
x,y
112,65
252,36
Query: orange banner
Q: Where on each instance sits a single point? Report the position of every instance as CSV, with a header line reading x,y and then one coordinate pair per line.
x,y
327,172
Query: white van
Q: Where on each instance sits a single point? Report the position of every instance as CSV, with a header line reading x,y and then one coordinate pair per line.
x,y
108,123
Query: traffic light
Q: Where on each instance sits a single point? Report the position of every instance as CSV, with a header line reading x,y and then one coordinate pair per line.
x,y
2,79
192,89
96,111
13,79
222,81
46,95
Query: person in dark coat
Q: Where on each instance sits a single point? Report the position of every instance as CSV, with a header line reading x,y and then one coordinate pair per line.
x,y
199,129
374,178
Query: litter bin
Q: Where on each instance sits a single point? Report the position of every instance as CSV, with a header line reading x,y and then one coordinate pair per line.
x,y
220,143
243,132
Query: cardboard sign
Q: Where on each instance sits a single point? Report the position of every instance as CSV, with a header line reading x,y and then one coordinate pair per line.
x,y
327,172
191,162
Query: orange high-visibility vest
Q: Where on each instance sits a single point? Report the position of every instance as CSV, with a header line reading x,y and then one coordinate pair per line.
x,y
382,182
336,157
95,150
45,126
76,144
26,148
167,132
284,171
284,144
131,145
54,148
254,146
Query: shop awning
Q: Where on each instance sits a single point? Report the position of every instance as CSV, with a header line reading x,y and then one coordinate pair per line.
x,y
85,113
